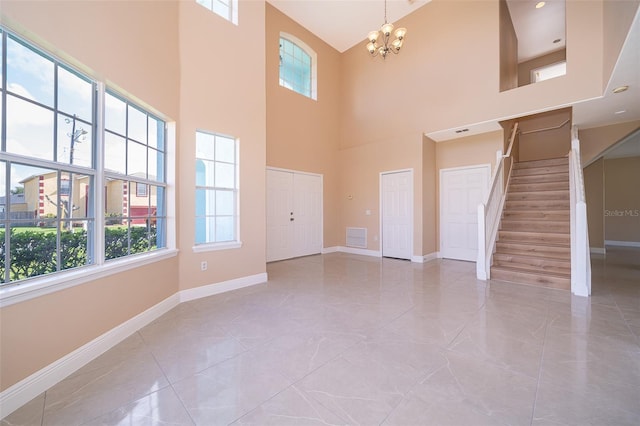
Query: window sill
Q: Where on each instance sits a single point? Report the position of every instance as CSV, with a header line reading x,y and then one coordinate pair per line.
x,y
58,281
201,248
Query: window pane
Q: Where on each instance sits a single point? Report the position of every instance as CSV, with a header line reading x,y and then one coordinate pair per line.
x,y
137,160
201,202
115,201
33,250
29,129
137,122
29,74
116,241
205,230
115,153
224,203
156,133
224,229
115,114
40,189
225,175
156,165
73,244
205,146
81,153
75,95
225,149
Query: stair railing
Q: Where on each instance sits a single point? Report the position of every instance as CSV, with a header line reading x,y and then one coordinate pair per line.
x,y
580,253
490,211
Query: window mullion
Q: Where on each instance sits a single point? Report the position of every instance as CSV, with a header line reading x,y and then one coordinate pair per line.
x,y
99,182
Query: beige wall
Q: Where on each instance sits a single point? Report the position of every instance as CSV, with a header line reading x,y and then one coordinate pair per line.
x,y
222,92
303,134
525,68
622,199
595,141
535,143
508,50
429,200
594,194
617,18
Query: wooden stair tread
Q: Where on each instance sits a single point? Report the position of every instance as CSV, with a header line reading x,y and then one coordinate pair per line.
x,y
520,276
533,245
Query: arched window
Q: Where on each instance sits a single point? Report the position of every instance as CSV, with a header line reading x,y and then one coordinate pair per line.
x,y
298,65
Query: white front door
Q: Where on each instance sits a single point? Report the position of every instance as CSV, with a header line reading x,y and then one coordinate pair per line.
x,y
294,214
396,200
461,190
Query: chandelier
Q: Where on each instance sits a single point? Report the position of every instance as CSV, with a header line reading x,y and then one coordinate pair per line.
x,y
385,45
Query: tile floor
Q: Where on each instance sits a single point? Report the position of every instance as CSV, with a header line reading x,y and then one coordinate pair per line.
x,y
344,339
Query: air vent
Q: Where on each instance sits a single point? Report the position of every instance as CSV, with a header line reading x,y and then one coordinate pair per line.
x,y
357,237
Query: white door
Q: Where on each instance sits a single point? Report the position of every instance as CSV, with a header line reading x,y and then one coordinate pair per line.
x,y
396,200
307,214
461,190
294,214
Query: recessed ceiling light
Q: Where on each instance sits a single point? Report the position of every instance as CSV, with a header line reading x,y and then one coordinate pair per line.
x,y
620,89
622,111
558,40
540,4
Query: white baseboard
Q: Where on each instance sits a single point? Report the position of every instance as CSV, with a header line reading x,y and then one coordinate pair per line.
x,y
426,258
327,250
25,390
221,287
622,243
598,250
363,252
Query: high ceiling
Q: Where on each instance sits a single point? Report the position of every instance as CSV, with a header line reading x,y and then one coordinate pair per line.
x,y
345,23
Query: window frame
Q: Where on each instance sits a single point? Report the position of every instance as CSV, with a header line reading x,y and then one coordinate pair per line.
x,y
231,15
24,289
313,67
219,245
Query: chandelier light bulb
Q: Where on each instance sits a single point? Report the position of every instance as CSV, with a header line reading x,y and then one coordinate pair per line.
x,y
400,33
371,48
373,36
386,29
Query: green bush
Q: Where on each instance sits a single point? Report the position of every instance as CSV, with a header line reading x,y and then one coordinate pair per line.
x,y
34,253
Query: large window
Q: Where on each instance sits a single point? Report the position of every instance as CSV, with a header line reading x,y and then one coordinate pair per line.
x,y
66,206
297,66
228,9
216,189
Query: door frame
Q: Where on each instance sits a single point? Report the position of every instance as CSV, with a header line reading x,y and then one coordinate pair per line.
x,y
411,213
321,176
486,166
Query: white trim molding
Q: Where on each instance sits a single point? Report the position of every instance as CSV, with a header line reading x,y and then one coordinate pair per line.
x,y
426,258
621,243
327,250
363,252
221,287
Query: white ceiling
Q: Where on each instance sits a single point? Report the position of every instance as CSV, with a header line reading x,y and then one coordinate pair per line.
x,y
536,29
345,23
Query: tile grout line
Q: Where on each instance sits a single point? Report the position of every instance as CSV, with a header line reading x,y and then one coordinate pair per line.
x,y
544,345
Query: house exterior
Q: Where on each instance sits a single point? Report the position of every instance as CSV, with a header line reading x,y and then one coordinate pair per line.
x,y
41,193
369,117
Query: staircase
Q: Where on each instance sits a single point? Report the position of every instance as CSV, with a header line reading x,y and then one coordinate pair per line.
x,y
534,245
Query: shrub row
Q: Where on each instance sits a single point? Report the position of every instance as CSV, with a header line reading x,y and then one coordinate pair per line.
x,y
34,253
